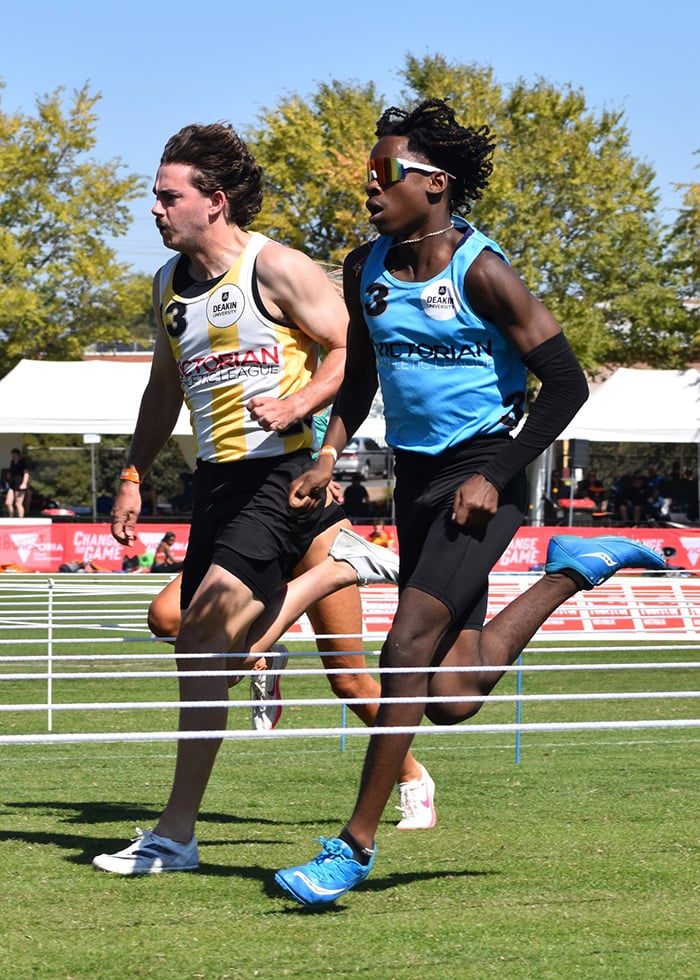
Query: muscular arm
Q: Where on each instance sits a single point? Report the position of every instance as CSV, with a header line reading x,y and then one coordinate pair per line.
x,y
359,387
353,401
295,288
497,294
160,406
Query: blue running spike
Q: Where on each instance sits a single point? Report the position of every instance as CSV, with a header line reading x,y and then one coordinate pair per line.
x,y
597,559
328,876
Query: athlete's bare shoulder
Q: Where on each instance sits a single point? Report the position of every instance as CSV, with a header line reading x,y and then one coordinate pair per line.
x,y
296,288
282,270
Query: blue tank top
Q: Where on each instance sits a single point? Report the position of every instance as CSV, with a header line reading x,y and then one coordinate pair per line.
x,y
446,374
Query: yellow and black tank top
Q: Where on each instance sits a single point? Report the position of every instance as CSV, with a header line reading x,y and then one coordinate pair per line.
x,y
228,350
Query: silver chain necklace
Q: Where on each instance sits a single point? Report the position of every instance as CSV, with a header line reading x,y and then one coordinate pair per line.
x,y
431,234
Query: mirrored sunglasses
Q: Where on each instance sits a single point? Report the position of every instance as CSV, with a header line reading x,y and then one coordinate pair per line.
x,y
390,170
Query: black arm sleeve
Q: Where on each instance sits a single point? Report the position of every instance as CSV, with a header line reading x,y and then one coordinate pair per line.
x,y
564,390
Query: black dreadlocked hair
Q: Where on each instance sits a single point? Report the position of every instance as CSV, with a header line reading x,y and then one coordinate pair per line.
x,y
433,132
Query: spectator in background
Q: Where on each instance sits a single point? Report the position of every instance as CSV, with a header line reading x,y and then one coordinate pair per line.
x,y
593,488
17,497
654,479
105,502
632,499
356,501
164,560
380,536
685,494
657,506
4,485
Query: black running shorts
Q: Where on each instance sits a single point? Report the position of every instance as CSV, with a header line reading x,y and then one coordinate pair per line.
x,y
242,521
438,557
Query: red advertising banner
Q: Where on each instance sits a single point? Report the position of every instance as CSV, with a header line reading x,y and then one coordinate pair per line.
x,y
29,546
42,546
653,607
528,550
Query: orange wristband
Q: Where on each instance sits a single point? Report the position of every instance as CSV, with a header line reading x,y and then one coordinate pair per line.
x,y
329,451
130,474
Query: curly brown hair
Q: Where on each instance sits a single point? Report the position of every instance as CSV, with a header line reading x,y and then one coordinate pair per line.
x,y
434,133
220,161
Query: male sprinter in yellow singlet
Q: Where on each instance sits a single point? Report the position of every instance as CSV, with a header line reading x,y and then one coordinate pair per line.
x,y
241,320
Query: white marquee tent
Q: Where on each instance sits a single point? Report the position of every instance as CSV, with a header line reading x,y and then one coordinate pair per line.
x,y
103,397
641,406
636,405
75,396
83,397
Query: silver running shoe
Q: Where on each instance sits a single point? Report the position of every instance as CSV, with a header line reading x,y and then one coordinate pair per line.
x,y
264,688
374,565
150,854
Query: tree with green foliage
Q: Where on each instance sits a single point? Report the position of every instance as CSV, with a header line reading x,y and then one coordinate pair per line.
x,y
63,288
568,201
60,468
313,152
684,252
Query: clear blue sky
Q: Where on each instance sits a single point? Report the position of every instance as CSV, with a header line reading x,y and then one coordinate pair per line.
x,y
160,66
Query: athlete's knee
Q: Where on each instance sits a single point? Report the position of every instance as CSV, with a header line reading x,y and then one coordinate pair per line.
x,y
163,618
466,687
353,686
451,712
407,645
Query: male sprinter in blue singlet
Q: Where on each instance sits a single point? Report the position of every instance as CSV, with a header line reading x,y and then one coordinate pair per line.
x,y
438,316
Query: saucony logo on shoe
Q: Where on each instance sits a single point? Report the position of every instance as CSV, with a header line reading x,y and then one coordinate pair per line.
x,y
606,559
316,888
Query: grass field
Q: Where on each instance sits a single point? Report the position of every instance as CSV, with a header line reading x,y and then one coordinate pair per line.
x,y
581,861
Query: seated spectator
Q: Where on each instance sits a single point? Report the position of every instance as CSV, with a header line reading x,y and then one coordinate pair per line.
x,y
593,488
654,478
562,485
657,507
380,536
104,504
631,498
685,494
164,561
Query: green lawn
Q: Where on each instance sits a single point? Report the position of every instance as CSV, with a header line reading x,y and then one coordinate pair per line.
x,y
581,861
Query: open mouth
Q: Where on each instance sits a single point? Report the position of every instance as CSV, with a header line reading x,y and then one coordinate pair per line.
x,y
374,210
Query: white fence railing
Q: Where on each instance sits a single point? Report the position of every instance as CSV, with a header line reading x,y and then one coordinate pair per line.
x,y
43,619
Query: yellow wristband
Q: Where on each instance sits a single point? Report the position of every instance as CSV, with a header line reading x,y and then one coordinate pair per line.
x,y
329,451
130,474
